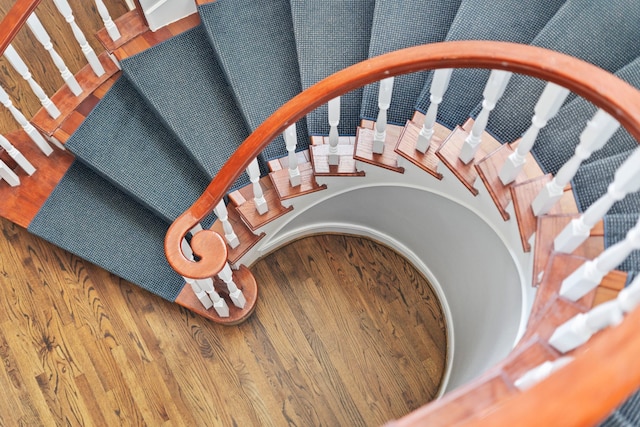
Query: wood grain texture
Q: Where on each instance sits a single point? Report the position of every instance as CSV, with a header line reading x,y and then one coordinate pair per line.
x,y
406,147
320,157
364,147
39,62
82,347
245,205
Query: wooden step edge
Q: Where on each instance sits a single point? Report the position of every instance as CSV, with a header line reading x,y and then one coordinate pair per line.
x,y
246,237
149,39
364,148
308,185
488,169
406,147
523,194
559,267
449,151
319,157
245,281
67,102
21,204
130,25
243,198
548,227
6,158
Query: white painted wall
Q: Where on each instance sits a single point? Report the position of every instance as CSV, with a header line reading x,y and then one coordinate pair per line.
x,y
457,250
163,12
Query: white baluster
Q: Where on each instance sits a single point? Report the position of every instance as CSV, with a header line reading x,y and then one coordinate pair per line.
x,y
8,175
45,40
590,274
17,156
110,26
547,107
539,373
580,328
19,65
22,120
439,86
629,297
203,288
384,102
334,137
236,295
291,141
223,215
626,180
94,62
597,132
494,89
258,196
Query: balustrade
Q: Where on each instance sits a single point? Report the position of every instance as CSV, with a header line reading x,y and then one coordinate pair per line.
x,y
258,195
384,102
334,136
291,141
8,175
17,156
439,86
22,120
223,215
540,372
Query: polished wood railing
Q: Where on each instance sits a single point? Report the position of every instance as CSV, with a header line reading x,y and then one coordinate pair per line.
x,y
15,20
605,384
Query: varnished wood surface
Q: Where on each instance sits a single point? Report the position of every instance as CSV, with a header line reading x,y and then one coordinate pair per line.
x,y
406,147
364,146
345,333
246,207
320,157
40,64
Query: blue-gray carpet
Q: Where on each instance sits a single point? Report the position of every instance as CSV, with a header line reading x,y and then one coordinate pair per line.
x,y
194,102
616,227
571,31
514,21
124,141
91,218
332,35
398,24
256,48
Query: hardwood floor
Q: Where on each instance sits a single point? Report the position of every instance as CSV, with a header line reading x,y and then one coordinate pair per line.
x,y
346,333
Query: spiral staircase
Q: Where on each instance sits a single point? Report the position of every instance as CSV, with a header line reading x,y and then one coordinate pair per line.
x,y
157,154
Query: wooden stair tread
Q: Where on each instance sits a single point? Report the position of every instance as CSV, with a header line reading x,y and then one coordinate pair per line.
x,y
560,266
488,170
246,237
245,282
524,193
549,226
526,357
148,38
130,25
308,184
555,314
80,113
406,147
449,151
4,156
21,204
364,145
243,199
67,102
320,157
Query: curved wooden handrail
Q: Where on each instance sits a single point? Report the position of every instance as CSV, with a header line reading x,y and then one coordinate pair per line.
x,y
599,377
15,20
618,98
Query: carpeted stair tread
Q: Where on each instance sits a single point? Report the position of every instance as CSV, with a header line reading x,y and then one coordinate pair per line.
x,y
332,35
398,24
255,46
556,142
616,227
592,181
184,84
514,21
627,415
571,31
125,142
91,218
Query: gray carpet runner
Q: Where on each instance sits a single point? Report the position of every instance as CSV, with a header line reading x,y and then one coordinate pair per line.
x,y
572,31
256,48
91,218
616,227
125,142
592,181
514,21
398,24
195,101
332,35
628,415
557,141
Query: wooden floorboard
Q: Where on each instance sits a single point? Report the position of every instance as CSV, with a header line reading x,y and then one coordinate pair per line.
x,y
345,333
